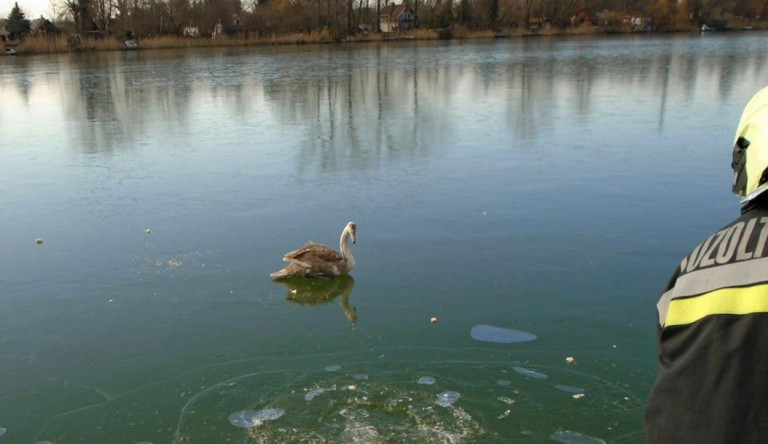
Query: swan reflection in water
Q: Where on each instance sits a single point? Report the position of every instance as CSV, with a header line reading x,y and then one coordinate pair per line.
x,y
308,291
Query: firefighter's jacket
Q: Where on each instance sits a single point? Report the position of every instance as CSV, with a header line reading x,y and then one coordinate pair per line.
x,y
712,384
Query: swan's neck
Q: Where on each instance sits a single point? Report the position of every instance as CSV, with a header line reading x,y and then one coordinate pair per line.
x,y
345,252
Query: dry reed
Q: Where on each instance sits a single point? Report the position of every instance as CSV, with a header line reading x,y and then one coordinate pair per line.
x,y
60,44
43,45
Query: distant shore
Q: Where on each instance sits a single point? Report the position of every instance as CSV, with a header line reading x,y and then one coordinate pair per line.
x,y
64,44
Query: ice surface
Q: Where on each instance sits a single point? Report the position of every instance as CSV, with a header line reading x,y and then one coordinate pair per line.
x,y
530,373
569,437
489,333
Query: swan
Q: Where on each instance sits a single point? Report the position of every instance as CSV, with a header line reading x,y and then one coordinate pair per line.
x,y
318,260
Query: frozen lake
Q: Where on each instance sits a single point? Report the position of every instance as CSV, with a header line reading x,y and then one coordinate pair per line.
x,y
532,195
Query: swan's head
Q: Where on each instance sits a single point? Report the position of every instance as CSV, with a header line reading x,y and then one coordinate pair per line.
x,y
351,228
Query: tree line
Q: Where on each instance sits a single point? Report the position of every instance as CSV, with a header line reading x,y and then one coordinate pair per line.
x,y
339,18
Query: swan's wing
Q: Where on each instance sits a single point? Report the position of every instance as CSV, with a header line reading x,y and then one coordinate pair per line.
x,y
313,253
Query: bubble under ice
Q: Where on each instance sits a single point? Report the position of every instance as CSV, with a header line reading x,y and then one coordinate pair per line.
x,y
504,382
426,380
333,368
489,333
446,399
252,418
569,437
361,376
2,431
530,373
570,389
313,393
242,419
269,414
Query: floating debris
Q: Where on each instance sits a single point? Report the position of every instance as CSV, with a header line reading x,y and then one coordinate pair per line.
x,y
361,376
570,360
352,387
247,419
312,394
144,442
506,400
426,380
147,231
569,389
446,399
530,373
433,319
569,437
504,382
504,415
38,241
579,395
48,442
489,333
333,368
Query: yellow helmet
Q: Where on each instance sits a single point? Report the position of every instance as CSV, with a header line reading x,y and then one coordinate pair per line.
x,y
750,149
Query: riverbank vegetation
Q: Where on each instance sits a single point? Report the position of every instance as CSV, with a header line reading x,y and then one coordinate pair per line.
x,y
85,25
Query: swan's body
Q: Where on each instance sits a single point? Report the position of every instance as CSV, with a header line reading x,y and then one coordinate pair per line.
x,y
318,260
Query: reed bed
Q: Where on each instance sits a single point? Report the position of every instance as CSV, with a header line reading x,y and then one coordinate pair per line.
x,y
43,45
59,44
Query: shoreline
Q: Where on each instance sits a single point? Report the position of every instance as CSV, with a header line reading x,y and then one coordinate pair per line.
x,y
36,45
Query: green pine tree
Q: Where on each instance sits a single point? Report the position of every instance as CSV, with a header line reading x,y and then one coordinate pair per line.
x,y
17,25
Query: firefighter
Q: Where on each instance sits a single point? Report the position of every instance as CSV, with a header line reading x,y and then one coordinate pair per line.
x,y
712,382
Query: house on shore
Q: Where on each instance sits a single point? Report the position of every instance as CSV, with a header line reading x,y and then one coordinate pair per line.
x,y
43,26
397,17
4,34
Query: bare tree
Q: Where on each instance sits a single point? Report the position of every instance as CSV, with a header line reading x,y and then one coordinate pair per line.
x,y
56,10
80,11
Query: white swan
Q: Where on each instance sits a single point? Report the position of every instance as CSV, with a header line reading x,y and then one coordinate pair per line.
x,y
318,260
